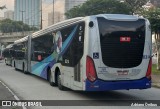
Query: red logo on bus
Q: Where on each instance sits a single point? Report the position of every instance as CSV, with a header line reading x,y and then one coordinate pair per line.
x,y
125,39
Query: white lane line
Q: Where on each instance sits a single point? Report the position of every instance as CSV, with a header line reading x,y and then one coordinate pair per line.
x,y
15,96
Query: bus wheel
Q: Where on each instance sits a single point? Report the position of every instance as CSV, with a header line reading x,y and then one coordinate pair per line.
x,y
60,86
23,68
50,78
15,66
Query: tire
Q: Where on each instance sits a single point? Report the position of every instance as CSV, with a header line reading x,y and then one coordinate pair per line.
x,y
14,64
60,86
50,78
23,68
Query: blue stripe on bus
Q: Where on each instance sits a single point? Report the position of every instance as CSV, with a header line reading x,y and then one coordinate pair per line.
x,y
40,68
100,85
68,40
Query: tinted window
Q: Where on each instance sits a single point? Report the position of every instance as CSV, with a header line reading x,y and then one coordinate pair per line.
x,y
75,50
42,47
19,51
117,52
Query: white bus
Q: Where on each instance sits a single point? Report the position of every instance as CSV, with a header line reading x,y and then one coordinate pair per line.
x,y
94,53
8,54
20,54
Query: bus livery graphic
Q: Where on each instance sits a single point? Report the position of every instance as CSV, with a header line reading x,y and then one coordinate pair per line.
x,y
41,67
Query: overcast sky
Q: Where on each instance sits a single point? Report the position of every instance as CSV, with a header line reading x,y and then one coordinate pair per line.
x,y
9,4
47,7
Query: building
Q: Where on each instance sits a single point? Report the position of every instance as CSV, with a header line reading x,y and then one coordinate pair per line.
x,y
60,8
71,3
9,14
2,18
156,3
50,18
58,17
28,11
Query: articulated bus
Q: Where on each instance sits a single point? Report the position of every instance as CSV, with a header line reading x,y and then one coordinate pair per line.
x,y
20,58
8,54
94,53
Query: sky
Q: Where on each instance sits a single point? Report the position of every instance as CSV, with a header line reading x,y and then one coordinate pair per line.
x,y
47,6
9,4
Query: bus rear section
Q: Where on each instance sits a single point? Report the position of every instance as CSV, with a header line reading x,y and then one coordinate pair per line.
x,y
119,53
8,54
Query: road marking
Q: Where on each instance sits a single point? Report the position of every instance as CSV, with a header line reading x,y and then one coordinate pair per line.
x,y
15,96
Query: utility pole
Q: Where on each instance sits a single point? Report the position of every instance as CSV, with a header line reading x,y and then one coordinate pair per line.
x,y
53,11
22,21
41,15
22,14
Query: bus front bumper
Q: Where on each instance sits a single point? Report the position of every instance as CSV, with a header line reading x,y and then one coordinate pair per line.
x,y
100,85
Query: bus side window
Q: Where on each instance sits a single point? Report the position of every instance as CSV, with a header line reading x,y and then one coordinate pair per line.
x,y
67,55
41,47
74,52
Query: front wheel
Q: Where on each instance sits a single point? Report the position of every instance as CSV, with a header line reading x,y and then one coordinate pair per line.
x,y
60,86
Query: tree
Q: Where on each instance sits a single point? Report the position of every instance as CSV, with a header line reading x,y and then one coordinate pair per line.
x,y
8,26
92,7
3,7
153,15
135,5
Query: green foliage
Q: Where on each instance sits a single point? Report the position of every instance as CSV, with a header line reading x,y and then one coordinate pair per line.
x,y
8,26
153,15
154,69
93,7
135,5
3,7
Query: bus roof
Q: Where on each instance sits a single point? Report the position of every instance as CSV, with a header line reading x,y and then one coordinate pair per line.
x,y
118,17
21,40
9,46
50,28
57,26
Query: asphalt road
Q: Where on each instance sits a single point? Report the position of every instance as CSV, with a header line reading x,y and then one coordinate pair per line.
x,y
30,87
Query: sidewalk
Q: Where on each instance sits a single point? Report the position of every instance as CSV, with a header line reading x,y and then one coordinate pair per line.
x,y
5,94
156,81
